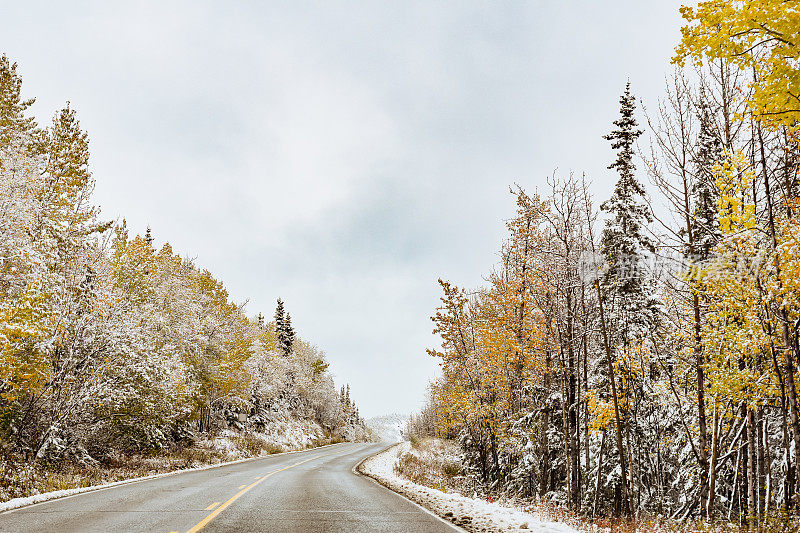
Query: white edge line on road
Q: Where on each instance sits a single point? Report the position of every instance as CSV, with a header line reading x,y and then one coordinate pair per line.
x,y
356,472
16,504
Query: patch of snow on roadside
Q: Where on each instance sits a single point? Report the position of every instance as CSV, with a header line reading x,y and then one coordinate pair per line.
x,y
469,513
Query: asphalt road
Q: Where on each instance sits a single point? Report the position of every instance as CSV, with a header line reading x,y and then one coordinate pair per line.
x,y
309,491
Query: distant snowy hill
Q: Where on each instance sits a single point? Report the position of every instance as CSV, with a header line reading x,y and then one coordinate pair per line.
x,y
388,428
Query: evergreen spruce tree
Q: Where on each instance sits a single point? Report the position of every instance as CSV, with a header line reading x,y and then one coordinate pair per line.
x,y
704,189
627,285
148,237
260,321
279,315
283,330
288,335
280,320
624,242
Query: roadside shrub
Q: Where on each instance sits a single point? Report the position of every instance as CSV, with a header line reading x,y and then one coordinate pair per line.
x,y
451,469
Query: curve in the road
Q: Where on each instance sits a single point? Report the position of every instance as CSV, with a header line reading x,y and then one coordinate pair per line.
x,y
310,491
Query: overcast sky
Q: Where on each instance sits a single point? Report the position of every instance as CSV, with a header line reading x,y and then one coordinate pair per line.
x,y
340,155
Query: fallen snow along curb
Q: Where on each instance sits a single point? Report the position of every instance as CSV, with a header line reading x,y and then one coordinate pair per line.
x,y
16,503
470,513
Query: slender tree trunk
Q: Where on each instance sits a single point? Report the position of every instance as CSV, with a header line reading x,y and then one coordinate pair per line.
x,y
764,461
736,500
585,378
495,458
702,437
626,506
752,469
599,473
784,318
565,430
788,481
612,380
572,420
712,477
726,106
699,362
543,440
760,466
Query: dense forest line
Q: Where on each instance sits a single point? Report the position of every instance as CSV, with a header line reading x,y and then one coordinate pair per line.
x,y
642,359
109,345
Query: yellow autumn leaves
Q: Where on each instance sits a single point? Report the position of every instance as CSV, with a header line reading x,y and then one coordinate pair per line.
x,y
760,36
745,286
495,341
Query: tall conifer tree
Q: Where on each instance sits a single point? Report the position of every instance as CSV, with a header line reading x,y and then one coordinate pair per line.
x,y
280,319
624,241
283,330
704,189
288,335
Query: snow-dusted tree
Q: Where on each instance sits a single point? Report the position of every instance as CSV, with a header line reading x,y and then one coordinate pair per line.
x,y
14,124
704,189
287,336
25,253
25,281
625,241
283,329
279,315
107,344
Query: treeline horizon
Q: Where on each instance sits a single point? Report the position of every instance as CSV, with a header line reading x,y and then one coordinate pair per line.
x,y
581,375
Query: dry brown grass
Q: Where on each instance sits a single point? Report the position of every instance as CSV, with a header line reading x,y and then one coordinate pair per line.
x,y
433,463
20,479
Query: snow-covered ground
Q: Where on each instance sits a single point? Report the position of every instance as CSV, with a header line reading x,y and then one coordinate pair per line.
x,y
287,433
471,514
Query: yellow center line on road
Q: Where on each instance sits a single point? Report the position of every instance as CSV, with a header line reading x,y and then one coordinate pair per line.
x,y
241,487
211,507
236,496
